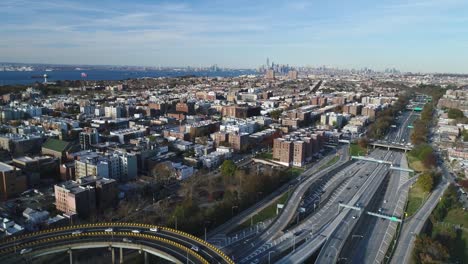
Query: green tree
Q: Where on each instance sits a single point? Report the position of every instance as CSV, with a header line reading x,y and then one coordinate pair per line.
x,y
426,181
228,169
275,114
455,113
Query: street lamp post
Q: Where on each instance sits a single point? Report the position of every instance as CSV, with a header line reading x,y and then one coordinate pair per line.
x,y
232,209
294,242
269,256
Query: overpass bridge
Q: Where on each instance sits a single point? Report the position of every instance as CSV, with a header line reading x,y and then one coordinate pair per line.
x,y
172,245
389,146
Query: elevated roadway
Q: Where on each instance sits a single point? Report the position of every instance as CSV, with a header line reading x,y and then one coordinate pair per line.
x,y
172,245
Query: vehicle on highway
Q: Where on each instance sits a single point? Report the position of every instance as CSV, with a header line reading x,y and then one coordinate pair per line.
x,y
384,201
354,217
25,250
109,230
136,231
127,240
194,248
154,229
77,232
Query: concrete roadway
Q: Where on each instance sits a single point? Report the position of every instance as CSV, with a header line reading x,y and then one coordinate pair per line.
x,y
218,235
414,225
290,207
331,249
364,244
312,228
207,251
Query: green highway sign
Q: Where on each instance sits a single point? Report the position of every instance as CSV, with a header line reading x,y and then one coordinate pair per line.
x,y
410,126
394,219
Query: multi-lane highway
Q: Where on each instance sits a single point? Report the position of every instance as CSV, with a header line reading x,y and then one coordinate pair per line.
x,y
290,207
369,241
167,243
350,181
415,224
220,235
335,242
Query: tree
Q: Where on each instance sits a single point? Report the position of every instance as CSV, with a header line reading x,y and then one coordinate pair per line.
x,y
362,142
427,250
426,181
162,171
275,114
228,168
455,113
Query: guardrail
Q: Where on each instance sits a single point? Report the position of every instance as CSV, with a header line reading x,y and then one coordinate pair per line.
x,y
103,225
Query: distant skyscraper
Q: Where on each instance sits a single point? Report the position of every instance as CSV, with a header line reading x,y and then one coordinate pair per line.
x,y
268,63
292,75
270,74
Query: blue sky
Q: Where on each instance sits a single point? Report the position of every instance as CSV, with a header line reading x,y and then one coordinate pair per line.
x,y
417,35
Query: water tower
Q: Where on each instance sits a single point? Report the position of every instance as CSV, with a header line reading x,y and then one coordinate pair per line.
x,y
45,78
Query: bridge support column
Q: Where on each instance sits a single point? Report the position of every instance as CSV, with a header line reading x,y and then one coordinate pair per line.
x,y
113,255
146,258
70,254
121,256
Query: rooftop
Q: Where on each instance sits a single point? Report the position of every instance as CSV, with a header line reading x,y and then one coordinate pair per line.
x,y
56,144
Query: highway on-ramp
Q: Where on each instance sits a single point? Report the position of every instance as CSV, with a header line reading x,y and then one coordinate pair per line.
x,y
171,244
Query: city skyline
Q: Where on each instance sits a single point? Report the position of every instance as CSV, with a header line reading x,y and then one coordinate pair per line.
x,y
421,36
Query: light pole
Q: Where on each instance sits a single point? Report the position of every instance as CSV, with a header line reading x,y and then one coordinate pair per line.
x,y
269,256
251,219
232,209
175,217
294,242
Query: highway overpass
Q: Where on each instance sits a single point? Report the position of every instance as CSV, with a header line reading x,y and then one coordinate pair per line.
x,y
173,245
390,146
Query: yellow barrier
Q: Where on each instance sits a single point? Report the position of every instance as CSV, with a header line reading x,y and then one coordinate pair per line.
x,y
117,224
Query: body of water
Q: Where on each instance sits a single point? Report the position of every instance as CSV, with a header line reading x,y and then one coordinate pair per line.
x,y
26,77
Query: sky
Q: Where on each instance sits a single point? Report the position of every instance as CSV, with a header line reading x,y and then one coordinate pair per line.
x,y
416,35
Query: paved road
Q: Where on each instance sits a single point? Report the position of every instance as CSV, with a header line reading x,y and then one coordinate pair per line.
x,y
317,227
290,207
197,250
372,236
415,224
331,250
218,236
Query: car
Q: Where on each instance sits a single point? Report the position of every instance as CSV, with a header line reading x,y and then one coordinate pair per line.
x,y
380,210
354,217
25,250
155,229
194,248
109,230
358,204
136,231
77,232
127,240
384,201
